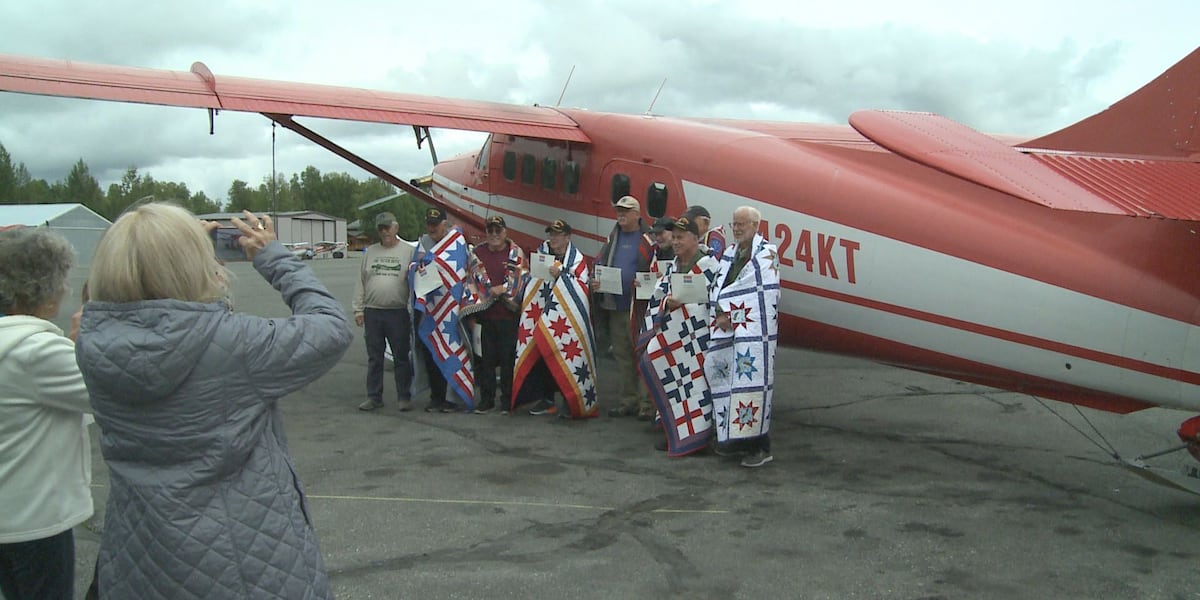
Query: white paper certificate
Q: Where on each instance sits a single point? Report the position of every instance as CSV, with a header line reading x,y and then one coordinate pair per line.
x,y
609,278
646,282
539,265
427,280
689,288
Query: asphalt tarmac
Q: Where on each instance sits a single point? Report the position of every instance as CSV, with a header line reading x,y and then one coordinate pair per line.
x,y
886,484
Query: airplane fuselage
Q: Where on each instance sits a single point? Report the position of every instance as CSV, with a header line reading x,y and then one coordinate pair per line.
x,y
882,257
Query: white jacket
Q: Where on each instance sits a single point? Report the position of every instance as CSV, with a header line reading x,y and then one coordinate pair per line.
x,y
45,453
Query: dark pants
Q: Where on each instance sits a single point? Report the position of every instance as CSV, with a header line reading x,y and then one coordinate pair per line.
x,y
539,384
39,569
499,340
437,381
393,327
750,446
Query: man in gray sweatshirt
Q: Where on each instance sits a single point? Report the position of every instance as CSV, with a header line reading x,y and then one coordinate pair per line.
x,y
381,309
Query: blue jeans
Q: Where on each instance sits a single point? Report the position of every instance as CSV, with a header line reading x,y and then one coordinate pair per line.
x,y
39,569
393,327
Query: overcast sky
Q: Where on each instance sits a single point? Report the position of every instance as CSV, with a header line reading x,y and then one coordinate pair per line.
x,y
1020,67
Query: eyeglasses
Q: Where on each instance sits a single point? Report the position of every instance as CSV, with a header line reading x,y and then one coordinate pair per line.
x,y
492,230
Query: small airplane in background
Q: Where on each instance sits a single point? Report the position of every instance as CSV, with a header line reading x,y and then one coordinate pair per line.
x,y
1064,266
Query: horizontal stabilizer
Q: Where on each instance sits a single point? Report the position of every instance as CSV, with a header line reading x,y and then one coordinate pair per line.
x,y
954,148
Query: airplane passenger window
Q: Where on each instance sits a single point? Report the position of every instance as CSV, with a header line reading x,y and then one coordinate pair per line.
x,y
571,178
510,165
528,169
549,173
620,187
656,200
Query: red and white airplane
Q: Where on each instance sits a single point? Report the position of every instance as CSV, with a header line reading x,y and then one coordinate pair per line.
x,y
1066,266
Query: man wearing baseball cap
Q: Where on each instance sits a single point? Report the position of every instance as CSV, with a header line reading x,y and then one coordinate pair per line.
x,y
672,362
441,342
714,239
555,348
630,249
497,269
662,232
381,309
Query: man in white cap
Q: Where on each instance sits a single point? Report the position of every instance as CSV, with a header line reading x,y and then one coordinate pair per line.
x,y
630,249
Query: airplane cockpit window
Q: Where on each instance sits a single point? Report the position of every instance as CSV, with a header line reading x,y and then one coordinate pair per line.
x,y
510,165
620,187
528,169
549,173
571,177
656,200
481,163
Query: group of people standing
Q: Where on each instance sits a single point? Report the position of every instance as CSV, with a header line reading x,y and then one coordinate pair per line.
x,y
204,501
501,329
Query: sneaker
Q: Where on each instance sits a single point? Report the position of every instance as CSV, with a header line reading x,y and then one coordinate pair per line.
x,y
370,405
435,406
622,411
543,407
661,444
484,408
758,459
405,405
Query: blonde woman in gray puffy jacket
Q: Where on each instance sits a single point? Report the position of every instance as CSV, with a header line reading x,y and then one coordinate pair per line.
x,y
205,501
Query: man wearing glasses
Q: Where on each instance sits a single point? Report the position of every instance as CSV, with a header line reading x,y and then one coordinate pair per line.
x,y
497,270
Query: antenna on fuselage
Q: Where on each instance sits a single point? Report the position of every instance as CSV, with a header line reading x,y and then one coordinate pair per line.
x,y
564,90
660,87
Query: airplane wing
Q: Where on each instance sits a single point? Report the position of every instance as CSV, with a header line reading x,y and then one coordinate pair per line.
x,y
199,88
282,101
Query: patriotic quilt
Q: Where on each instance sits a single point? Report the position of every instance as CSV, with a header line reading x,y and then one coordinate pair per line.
x,y
441,329
740,363
556,327
514,282
671,353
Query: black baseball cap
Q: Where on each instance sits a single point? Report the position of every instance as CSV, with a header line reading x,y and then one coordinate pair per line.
x,y
434,214
496,221
662,224
559,226
686,224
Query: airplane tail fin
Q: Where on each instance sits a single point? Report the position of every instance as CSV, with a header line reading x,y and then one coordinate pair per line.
x,y
1160,120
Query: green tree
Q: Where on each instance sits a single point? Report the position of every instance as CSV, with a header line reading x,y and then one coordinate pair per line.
x,y
81,187
240,196
8,178
36,191
200,204
338,191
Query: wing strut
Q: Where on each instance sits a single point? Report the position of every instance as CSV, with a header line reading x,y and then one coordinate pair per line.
x,y
417,131
286,121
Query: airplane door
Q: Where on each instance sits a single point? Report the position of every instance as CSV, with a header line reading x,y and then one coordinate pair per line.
x,y
480,178
658,190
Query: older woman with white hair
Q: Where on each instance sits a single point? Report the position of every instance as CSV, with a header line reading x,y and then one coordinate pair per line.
x,y
45,453
205,501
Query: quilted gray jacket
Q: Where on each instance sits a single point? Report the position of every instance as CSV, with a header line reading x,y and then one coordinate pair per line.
x,y
205,501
